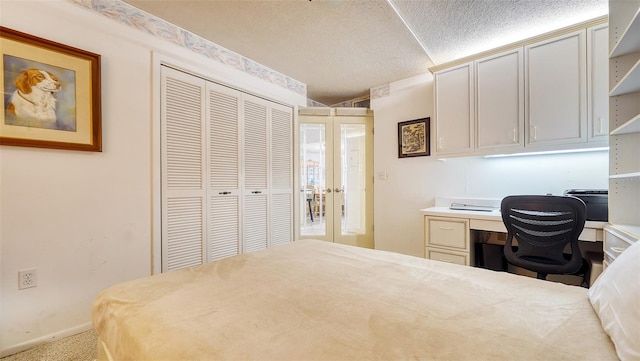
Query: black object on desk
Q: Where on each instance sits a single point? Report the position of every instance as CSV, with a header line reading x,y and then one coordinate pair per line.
x,y
596,200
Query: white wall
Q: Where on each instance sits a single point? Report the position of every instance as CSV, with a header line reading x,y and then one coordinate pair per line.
x,y
84,220
414,183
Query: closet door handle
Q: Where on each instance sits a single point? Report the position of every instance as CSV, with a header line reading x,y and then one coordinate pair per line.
x,y
224,193
256,192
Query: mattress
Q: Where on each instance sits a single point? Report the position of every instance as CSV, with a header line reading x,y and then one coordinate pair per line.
x,y
313,300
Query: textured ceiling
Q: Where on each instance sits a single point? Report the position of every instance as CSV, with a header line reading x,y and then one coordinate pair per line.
x,y
341,49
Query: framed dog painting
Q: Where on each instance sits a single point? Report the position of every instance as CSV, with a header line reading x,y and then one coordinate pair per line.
x,y
413,138
51,94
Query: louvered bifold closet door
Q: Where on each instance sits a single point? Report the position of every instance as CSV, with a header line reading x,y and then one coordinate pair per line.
x,y
281,141
223,110
183,162
255,192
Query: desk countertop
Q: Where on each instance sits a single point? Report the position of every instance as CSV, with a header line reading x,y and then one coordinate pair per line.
x,y
494,215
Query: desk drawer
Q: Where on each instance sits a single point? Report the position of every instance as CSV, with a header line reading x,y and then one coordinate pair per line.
x,y
445,232
438,255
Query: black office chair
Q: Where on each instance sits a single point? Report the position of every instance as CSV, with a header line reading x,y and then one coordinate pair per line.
x,y
543,226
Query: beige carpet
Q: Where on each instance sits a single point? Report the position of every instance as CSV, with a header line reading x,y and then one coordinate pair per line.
x,y
80,347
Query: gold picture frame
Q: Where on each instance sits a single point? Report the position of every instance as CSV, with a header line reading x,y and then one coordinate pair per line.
x,y
413,138
51,94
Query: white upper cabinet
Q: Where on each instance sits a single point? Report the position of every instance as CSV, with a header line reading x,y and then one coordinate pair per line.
x,y
454,110
499,89
556,90
544,94
598,82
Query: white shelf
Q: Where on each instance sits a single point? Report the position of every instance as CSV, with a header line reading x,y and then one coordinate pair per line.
x,y
625,175
632,231
624,139
630,83
629,41
632,126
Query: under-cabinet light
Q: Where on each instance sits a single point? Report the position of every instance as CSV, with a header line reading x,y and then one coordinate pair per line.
x,y
547,152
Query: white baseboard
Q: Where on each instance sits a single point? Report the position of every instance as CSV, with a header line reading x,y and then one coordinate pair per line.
x,y
45,339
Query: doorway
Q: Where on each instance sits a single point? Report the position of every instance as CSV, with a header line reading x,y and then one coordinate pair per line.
x,y
336,177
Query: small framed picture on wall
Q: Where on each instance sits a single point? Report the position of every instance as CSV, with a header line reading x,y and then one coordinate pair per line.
x,y
413,138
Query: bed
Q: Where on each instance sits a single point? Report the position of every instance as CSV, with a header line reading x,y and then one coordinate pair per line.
x,y
313,300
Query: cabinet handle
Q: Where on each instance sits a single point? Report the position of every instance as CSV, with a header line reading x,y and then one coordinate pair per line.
x,y
535,132
618,249
446,228
445,260
515,134
599,125
440,143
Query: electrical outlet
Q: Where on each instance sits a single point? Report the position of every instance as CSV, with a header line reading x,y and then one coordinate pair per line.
x,y
27,278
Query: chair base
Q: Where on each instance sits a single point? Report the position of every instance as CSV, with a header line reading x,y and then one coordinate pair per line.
x,y
584,272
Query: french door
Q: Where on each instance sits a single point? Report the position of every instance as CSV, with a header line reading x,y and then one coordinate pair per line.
x,y
336,179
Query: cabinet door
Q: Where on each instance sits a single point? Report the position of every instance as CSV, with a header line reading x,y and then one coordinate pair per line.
x,y
255,189
500,101
454,110
556,90
281,174
183,179
598,82
223,223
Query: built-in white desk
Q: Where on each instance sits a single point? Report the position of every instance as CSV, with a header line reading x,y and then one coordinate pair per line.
x,y
447,232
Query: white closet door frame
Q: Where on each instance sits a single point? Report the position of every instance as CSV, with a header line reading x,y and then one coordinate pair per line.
x,y
218,74
215,72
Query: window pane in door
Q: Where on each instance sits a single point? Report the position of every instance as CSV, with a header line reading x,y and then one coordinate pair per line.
x,y
352,188
312,179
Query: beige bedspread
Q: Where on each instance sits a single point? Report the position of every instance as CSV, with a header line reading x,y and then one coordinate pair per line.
x,y
312,300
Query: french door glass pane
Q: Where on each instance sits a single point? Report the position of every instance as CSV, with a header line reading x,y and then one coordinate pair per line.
x,y
352,191
312,179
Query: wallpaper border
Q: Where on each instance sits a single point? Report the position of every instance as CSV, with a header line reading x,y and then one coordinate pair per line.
x,y
133,17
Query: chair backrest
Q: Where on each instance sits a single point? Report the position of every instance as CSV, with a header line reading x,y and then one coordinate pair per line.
x,y
542,227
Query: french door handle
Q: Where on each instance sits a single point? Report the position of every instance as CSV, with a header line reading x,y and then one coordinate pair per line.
x,y
338,190
328,190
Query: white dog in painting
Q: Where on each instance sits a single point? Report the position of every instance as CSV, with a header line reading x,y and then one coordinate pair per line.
x,y
33,103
